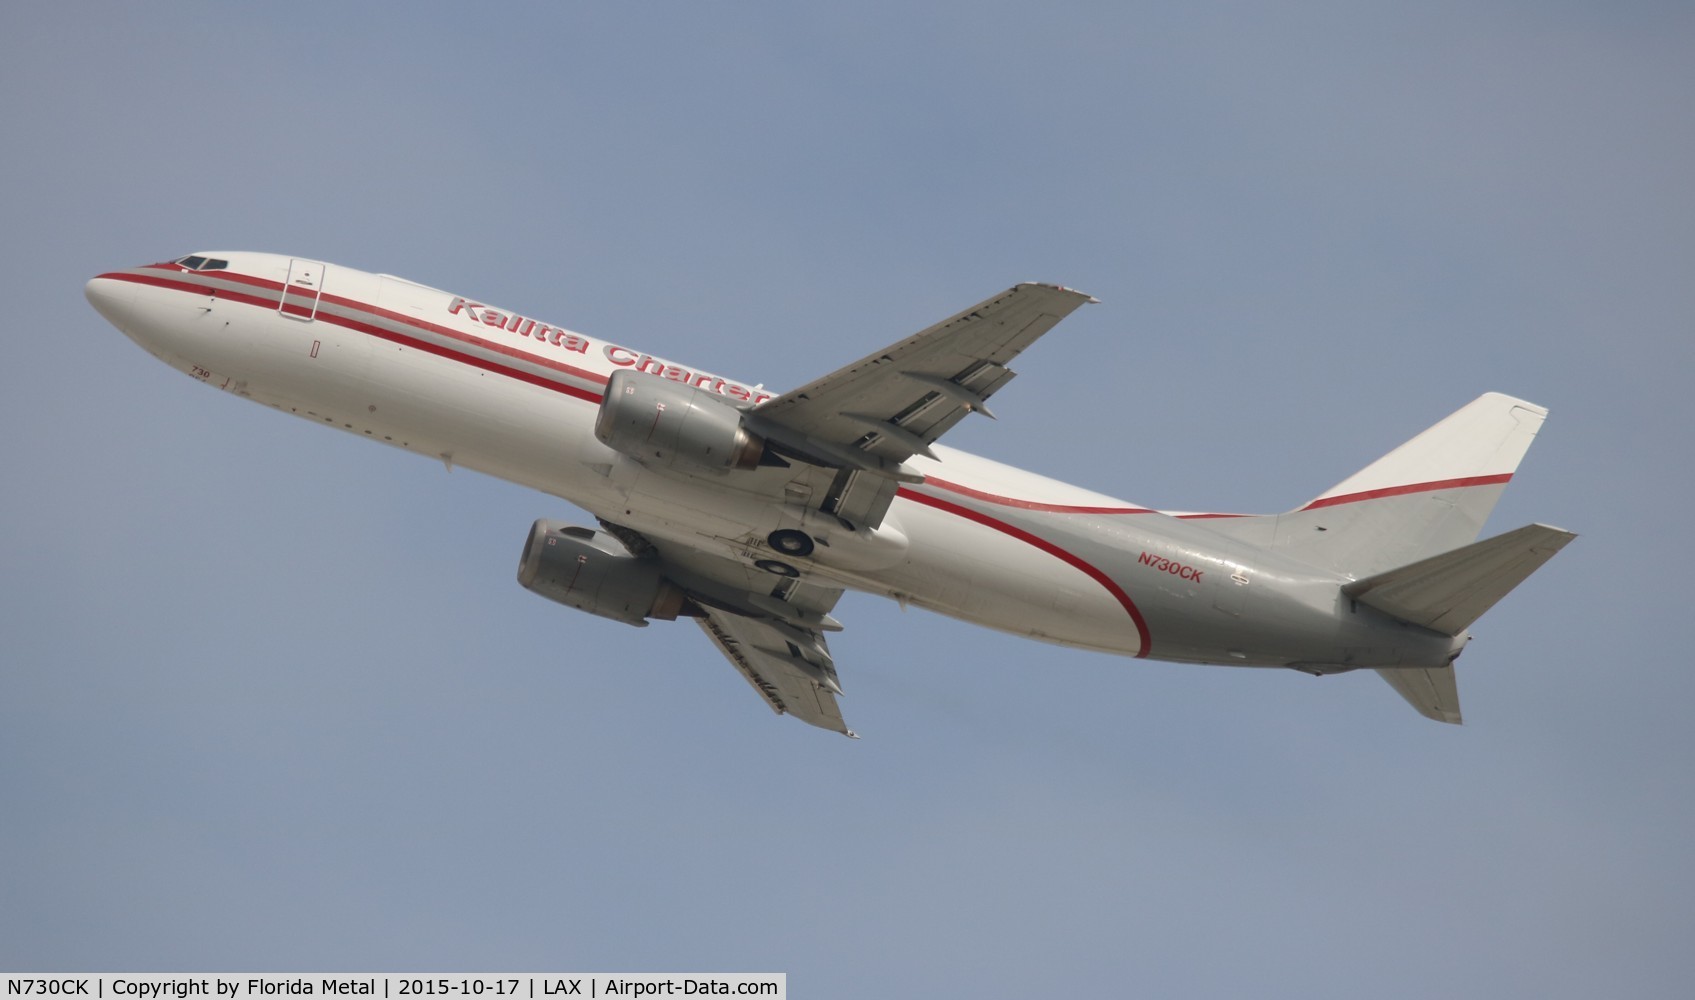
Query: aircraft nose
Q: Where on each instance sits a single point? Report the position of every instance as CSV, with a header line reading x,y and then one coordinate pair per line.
x,y
110,298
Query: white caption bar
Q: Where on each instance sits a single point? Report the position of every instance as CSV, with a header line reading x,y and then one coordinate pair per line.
x,y
396,986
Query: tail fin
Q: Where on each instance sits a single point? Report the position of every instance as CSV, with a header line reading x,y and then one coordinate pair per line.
x,y
1404,527
1428,496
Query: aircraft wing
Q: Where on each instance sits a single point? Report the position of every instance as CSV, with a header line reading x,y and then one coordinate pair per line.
x,y
789,667
771,629
854,428
867,419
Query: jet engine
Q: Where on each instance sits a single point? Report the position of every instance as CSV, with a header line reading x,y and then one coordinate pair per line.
x,y
591,571
666,423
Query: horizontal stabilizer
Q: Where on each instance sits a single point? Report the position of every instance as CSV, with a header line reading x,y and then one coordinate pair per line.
x,y
1448,592
1431,690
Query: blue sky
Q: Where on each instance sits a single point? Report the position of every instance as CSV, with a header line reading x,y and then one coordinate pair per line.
x,y
271,698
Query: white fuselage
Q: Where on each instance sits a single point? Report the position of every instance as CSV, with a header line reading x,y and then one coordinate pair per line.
x,y
476,386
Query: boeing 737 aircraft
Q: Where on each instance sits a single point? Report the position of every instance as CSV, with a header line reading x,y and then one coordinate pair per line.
x,y
751,511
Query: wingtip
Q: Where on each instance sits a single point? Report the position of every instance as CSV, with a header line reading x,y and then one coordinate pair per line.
x,y
1051,286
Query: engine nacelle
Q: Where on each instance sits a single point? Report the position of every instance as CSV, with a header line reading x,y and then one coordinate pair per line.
x,y
666,423
591,571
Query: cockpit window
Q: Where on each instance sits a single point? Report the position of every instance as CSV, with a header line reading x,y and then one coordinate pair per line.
x,y
198,263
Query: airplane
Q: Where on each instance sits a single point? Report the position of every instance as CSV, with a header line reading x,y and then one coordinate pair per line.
x,y
752,511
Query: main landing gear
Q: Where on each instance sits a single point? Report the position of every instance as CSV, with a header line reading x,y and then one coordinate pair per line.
x,y
788,542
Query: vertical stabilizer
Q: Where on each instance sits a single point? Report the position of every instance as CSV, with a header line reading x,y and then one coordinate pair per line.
x,y
1401,532
1428,496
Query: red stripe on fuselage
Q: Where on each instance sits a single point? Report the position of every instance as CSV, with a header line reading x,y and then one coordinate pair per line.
x,y
275,288
1071,558
1060,508
1051,508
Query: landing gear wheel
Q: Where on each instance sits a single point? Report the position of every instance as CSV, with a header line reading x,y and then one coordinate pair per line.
x,y
790,542
779,568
